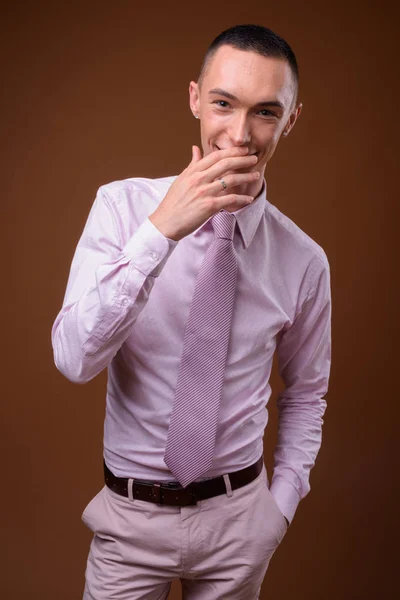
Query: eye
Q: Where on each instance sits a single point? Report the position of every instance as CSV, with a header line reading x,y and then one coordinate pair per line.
x,y
224,104
219,102
269,113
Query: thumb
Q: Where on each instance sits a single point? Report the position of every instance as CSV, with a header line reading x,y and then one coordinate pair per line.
x,y
196,154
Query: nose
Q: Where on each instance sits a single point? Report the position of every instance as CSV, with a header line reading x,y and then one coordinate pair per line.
x,y
239,130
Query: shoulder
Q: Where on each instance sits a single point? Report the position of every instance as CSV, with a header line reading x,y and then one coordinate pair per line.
x,y
294,242
130,201
135,188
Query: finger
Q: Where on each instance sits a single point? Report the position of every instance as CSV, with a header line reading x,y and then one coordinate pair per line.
x,y
218,155
228,164
196,154
233,202
233,180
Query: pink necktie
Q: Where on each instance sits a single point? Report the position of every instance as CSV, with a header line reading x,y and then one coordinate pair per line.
x,y
194,418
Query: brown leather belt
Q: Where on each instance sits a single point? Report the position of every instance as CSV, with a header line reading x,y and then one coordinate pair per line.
x,y
173,494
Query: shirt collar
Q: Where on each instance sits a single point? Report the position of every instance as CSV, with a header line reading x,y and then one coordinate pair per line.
x,y
248,217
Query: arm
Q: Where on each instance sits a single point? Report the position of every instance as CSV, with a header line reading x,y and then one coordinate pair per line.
x,y
108,286
304,359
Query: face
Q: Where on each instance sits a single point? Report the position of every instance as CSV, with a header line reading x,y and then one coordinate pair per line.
x,y
245,100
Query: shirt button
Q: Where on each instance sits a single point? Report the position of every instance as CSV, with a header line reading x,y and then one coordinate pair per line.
x,y
154,255
125,302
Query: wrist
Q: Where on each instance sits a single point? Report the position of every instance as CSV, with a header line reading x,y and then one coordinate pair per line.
x,y
163,228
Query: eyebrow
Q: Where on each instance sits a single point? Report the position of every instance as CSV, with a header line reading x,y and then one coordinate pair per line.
x,y
221,92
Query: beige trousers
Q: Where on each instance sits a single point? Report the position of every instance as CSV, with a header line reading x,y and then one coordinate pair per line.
x,y
219,549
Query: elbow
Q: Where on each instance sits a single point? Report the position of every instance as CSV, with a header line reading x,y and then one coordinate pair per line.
x,y
74,373
71,363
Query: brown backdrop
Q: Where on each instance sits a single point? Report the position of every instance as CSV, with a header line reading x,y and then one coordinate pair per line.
x,y
100,93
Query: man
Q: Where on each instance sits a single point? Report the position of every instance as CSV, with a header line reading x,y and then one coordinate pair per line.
x,y
184,287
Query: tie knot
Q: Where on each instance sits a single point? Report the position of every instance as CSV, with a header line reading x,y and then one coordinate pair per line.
x,y
224,223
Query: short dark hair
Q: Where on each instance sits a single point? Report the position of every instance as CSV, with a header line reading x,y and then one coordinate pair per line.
x,y
254,38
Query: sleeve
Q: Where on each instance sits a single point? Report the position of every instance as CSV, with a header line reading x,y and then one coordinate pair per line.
x,y
304,360
107,288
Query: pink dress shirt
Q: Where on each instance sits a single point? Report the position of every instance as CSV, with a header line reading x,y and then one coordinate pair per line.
x,y
125,308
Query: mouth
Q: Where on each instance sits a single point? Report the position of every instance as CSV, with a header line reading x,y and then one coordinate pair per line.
x,y
249,154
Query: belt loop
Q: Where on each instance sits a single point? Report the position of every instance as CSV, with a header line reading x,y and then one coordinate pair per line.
x,y
228,486
130,486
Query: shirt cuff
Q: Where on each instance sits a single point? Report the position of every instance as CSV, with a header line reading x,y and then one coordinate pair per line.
x,y
286,496
149,249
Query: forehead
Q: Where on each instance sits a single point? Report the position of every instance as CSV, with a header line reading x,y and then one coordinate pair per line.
x,y
248,75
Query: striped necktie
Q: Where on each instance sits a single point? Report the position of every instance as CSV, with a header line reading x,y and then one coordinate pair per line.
x,y
194,418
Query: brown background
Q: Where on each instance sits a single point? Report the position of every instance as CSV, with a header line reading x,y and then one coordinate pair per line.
x,y
98,93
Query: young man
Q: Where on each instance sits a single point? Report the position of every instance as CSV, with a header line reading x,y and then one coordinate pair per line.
x,y
183,287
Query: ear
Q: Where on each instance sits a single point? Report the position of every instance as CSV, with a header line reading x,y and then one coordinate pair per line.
x,y
194,98
294,115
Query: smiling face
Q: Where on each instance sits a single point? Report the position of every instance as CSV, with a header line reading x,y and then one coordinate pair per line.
x,y
245,100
